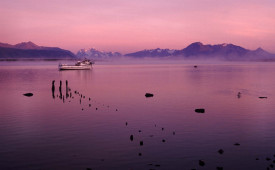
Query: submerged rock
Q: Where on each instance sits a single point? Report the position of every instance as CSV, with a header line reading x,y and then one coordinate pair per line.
x,y
149,95
131,137
263,97
141,143
201,110
237,144
201,163
28,94
220,151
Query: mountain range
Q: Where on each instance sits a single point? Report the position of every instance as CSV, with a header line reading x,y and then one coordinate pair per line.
x,y
198,50
96,54
32,51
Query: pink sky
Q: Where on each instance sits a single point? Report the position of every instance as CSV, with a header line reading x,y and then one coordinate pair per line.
x,y
132,25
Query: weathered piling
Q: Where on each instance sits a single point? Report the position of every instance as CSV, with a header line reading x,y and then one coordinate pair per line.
x,y
53,89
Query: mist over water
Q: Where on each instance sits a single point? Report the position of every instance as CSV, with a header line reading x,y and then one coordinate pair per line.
x,y
46,132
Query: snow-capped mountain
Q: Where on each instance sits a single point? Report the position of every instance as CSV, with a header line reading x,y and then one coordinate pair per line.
x,y
199,50
96,54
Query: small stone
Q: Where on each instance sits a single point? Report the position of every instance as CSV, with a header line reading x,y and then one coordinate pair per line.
x,y
96,108
257,159
126,123
28,94
162,129
163,140
149,95
195,66
174,133
200,110
139,131
237,144
139,154
89,169
263,97
89,98
116,110
141,143
157,165
131,137
271,165
273,161
219,168
201,163
268,159
82,109
220,151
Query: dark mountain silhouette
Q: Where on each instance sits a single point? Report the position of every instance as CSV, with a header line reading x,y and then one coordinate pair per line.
x,y
198,50
32,51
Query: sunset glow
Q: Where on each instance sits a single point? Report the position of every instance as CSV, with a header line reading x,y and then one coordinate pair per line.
x,y
127,26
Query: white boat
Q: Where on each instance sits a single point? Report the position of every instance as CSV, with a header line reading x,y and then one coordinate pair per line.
x,y
80,65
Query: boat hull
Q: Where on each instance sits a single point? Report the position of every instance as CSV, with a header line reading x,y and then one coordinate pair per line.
x,y
68,67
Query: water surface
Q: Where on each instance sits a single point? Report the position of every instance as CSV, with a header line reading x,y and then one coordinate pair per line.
x,y
45,132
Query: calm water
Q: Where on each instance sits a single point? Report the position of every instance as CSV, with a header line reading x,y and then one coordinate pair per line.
x,y
42,132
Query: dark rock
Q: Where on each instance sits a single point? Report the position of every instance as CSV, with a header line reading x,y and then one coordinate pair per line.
x,y
96,108
271,165
200,110
131,137
263,97
195,66
139,131
174,133
116,110
82,109
157,165
219,168
89,169
239,95
237,144
149,95
139,154
90,105
141,143
28,94
201,163
257,159
273,161
268,159
163,140
126,123
89,98
162,128
220,151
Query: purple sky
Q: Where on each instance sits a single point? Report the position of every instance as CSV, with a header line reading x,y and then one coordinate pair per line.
x,y
131,25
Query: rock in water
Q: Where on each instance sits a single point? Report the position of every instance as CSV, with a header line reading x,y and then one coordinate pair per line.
x,y
201,163
199,110
220,151
263,97
149,95
28,94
